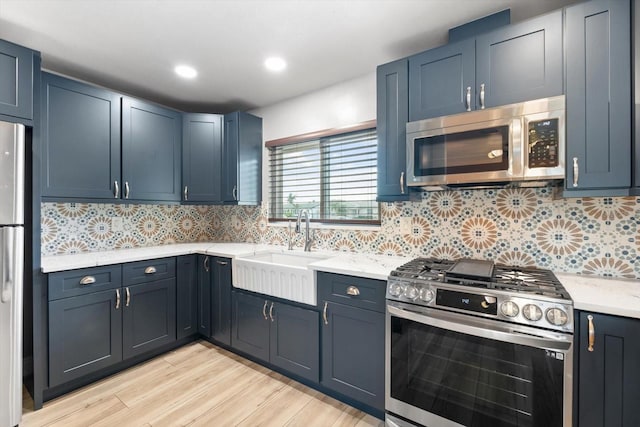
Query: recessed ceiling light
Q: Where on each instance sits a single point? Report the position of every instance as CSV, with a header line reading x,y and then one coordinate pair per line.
x,y
275,64
185,71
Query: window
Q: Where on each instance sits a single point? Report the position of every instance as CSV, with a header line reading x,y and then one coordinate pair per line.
x,y
333,176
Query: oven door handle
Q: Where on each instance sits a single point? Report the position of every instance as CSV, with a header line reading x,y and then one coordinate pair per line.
x,y
489,329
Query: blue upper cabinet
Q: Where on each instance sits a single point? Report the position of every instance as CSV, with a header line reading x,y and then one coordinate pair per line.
x,y
16,80
509,64
201,158
151,151
520,62
242,159
392,116
80,140
599,98
442,81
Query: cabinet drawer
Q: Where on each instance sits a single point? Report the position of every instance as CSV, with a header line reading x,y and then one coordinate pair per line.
x,y
72,283
147,271
351,290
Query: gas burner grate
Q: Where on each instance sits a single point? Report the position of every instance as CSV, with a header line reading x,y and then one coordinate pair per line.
x,y
505,278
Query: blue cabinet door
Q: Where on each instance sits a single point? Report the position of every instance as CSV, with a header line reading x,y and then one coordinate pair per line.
x,y
598,96
295,340
85,335
186,296
16,81
442,81
149,316
392,116
201,158
80,140
609,374
221,300
242,159
353,353
520,62
250,325
151,151
204,295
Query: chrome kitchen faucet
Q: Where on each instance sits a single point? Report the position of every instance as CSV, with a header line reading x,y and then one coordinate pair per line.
x,y
308,241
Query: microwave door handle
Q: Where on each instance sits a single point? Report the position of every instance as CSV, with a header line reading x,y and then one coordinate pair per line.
x,y
488,329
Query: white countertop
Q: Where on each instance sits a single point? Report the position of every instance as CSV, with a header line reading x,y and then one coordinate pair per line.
x,y
603,295
362,265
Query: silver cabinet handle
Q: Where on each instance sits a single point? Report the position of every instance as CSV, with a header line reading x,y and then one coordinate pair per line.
x,y
117,299
402,182
353,291
468,98
205,264
592,333
221,262
186,193
87,280
576,171
235,192
324,313
271,312
482,96
264,309
126,189
128,297
150,270
116,190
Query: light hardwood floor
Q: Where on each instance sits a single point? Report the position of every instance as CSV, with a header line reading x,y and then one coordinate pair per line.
x,y
196,385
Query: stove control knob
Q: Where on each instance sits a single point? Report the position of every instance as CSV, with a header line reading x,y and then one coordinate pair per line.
x,y
532,312
410,292
426,294
557,316
395,289
509,309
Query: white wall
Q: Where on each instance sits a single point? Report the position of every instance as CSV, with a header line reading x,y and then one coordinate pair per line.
x,y
344,104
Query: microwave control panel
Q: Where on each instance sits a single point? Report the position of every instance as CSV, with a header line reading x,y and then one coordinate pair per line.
x,y
543,144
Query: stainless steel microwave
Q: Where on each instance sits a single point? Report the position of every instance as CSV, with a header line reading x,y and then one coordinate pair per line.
x,y
522,142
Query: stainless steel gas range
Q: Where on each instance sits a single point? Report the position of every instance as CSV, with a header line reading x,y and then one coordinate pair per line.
x,y
470,343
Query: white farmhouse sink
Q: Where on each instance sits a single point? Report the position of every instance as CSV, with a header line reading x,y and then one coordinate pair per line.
x,y
280,274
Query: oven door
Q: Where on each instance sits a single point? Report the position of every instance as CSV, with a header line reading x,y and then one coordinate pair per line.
x,y
487,151
448,369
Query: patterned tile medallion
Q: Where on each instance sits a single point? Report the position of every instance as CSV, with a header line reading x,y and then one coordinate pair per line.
x,y
524,227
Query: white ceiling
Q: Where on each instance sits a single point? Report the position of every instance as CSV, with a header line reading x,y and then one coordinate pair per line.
x,y
133,45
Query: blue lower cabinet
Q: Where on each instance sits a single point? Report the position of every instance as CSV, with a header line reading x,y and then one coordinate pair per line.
x,y
186,296
295,340
85,335
204,295
221,300
149,316
353,353
607,389
282,334
250,325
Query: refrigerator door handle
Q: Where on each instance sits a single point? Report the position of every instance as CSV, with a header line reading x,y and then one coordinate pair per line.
x,y
8,238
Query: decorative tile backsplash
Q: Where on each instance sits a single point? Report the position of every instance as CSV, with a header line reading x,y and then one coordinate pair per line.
x,y
520,226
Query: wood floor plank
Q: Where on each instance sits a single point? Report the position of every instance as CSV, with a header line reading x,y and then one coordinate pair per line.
x,y
242,405
282,408
92,413
322,411
196,385
187,411
78,399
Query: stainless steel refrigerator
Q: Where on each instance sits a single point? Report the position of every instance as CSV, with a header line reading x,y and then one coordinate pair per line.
x,y
12,182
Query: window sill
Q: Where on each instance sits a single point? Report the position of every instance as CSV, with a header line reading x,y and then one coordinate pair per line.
x,y
325,226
